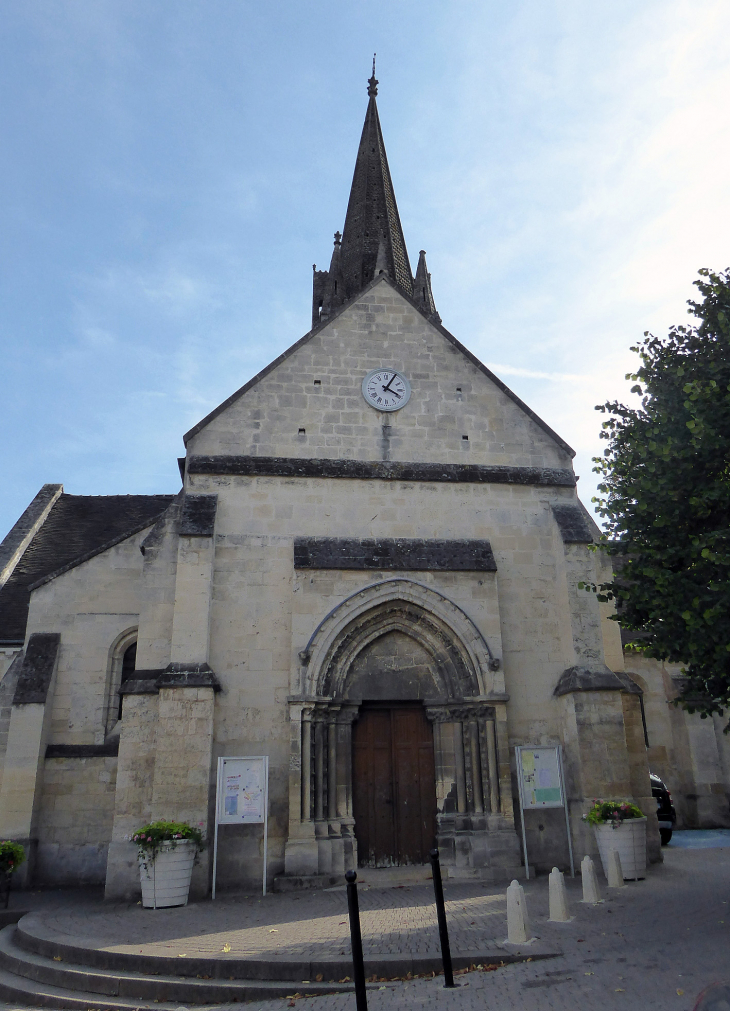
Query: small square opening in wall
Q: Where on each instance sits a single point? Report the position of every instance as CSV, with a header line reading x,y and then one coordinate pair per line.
x,y
317,382
302,431
464,438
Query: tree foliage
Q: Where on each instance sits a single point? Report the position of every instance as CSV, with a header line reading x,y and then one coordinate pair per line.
x,y
665,497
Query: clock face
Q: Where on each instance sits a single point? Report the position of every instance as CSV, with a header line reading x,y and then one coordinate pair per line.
x,y
386,389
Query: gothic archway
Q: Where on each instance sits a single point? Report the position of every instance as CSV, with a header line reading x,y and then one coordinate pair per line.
x,y
456,679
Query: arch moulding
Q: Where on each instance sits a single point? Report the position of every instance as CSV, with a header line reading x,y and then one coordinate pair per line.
x,y
427,615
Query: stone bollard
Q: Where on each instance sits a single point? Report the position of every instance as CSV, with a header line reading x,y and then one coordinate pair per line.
x,y
615,874
558,898
591,894
518,922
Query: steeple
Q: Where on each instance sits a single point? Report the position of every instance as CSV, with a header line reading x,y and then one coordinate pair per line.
x,y
372,240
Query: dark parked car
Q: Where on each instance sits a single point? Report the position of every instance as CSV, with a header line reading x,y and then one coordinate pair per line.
x,y
664,808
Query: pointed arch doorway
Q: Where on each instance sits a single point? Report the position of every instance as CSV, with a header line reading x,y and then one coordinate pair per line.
x,y
394,785
403,649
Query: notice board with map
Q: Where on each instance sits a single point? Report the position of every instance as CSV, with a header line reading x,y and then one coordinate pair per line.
x,y
541,784
540,779
242,798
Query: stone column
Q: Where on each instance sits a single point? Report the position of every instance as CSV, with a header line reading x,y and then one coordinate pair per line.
x,y
458,732
321,827
22,782
344,720
301,858
476,767
492,763
336,843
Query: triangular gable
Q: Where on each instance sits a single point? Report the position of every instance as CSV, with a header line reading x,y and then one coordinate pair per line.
x,y
382,279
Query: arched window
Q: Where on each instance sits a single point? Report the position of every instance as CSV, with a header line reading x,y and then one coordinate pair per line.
x,y
129,662
122,662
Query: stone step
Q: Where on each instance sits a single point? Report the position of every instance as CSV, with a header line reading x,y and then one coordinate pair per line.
x,y
31,937
16,990
36,979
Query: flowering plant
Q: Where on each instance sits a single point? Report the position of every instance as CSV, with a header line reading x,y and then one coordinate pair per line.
x,y
613,812
12,856
150,837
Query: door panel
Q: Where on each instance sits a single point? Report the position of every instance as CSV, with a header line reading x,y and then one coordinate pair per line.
x,y
373,788
394,793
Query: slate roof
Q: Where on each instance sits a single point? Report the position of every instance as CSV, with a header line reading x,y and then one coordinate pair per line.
x,y
77,527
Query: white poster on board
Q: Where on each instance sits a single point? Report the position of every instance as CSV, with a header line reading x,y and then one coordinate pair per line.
x,y
242,791
242,798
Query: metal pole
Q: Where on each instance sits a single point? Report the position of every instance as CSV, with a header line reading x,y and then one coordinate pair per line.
x,y
438,889
358,965
567,813
266,818
518,757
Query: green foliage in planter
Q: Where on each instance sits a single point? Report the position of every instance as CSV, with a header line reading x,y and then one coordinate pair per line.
x,y
12,856
613,812
150,837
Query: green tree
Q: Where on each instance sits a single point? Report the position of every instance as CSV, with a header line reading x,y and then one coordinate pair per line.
x,y
665,498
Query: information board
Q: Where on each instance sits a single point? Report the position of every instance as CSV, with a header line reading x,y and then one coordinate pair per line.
x,y
541,784
242,798
242,791
540,780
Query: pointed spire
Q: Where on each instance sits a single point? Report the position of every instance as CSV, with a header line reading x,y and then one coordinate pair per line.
x,y
422,293
373,242
372,213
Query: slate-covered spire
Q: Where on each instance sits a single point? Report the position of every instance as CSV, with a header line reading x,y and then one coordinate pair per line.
x,y
372,240
372,213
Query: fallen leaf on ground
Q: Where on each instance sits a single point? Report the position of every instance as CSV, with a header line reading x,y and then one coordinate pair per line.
x,y
226,947
319,977
680,993
274,931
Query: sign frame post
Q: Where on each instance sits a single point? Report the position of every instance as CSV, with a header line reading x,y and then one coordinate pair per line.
x,y
530,793
231,786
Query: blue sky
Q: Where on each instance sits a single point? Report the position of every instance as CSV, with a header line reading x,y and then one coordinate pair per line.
x,y
170,170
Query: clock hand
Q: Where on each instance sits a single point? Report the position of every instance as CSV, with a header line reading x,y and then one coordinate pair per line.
x,y
386,388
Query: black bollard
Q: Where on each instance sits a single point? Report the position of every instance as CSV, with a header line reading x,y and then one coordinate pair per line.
x,y
438,889
358,965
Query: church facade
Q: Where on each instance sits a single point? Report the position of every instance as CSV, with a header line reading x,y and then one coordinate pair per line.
x,y
371,575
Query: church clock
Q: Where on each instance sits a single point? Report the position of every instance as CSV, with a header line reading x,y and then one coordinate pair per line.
x,y
386,389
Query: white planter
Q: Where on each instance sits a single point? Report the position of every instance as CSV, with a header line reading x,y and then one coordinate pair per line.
x,y
630,841
166,879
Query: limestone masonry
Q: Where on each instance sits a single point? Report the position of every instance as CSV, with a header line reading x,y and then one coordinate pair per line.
x,y
383,599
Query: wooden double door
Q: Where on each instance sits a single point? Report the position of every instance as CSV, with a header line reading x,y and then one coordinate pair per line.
x,y
394,787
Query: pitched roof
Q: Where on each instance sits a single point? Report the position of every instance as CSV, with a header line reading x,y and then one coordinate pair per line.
x,y
380,279
77,527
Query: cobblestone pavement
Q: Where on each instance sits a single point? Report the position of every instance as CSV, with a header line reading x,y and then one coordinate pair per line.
x,y
653,944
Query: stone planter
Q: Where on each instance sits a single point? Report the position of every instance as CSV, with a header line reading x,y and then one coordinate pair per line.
x,y
166,879
630,841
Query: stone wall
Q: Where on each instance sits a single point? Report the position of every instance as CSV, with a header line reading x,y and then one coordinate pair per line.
x,y
75,823
691,755
317,389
